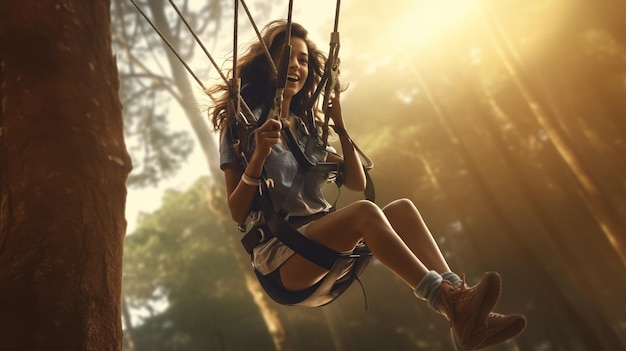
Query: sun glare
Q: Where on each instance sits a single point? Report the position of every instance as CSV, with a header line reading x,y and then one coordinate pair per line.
x,y
429,19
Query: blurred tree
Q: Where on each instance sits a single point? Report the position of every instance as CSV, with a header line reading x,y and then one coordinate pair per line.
x,y
180,272
607,217
63,171
179,259
470,83
149,85
147,89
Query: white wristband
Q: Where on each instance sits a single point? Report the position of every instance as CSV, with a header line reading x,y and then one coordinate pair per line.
x,y
249,180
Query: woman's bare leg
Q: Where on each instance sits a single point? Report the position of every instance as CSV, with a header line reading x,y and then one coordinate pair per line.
x,y
466,308
410,226
341,231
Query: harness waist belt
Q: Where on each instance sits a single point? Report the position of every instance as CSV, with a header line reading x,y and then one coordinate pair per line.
x,y
259,235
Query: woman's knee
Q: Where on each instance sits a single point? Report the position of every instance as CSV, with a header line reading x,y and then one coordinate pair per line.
x,y
402,204
401,209
365,207
367,212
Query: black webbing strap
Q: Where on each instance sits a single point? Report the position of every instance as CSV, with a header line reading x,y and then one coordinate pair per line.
x,y
299,154
253,237
370,191
303,246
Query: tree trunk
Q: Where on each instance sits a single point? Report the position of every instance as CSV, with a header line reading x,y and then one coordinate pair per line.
x,y
63,170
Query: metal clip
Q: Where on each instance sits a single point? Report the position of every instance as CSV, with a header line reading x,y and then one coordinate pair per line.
x,y
334,75
257,218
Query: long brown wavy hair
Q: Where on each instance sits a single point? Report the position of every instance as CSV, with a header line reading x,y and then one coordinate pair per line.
x,y
258,81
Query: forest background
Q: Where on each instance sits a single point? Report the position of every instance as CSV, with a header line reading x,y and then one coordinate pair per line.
x,y
504,121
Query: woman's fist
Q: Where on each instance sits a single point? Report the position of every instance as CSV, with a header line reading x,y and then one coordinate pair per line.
x,y
265,136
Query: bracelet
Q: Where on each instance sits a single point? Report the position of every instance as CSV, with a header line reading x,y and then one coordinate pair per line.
x,y
250,180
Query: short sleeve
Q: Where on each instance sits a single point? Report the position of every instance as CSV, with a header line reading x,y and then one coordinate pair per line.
x,y
227,153
331,149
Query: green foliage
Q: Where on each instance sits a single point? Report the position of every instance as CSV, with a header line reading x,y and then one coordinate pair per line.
x,y
178,260
157,153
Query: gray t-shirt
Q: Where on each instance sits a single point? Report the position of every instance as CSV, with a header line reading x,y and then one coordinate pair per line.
x,y
281,166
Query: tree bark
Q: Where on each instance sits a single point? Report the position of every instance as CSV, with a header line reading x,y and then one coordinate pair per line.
x,y
63,170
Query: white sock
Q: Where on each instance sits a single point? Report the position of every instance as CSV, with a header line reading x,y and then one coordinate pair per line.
x,y
428,289
452,278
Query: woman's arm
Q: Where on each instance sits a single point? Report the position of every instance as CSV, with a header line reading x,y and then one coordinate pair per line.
x,y
240,193
354,175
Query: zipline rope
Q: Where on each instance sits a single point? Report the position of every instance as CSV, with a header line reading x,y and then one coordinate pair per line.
x,y
331,69
258,34
283,68
168,44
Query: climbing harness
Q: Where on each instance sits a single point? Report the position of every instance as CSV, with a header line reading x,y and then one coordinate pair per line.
x,y
267,222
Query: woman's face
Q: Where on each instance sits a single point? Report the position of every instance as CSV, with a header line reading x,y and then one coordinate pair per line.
x,y
298,67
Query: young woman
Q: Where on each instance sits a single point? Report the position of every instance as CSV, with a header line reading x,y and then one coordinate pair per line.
x,y
396,234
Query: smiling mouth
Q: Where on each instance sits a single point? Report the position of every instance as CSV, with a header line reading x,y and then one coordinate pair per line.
x,y
293,78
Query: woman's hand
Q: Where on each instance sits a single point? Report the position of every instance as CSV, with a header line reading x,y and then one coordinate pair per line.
x,y
240,194
354,176
334,109
265,136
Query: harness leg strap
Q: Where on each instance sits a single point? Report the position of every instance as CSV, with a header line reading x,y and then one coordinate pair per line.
x,y
305,247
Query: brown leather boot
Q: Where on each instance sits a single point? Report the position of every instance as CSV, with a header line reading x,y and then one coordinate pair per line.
x,y
496,329
467,308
